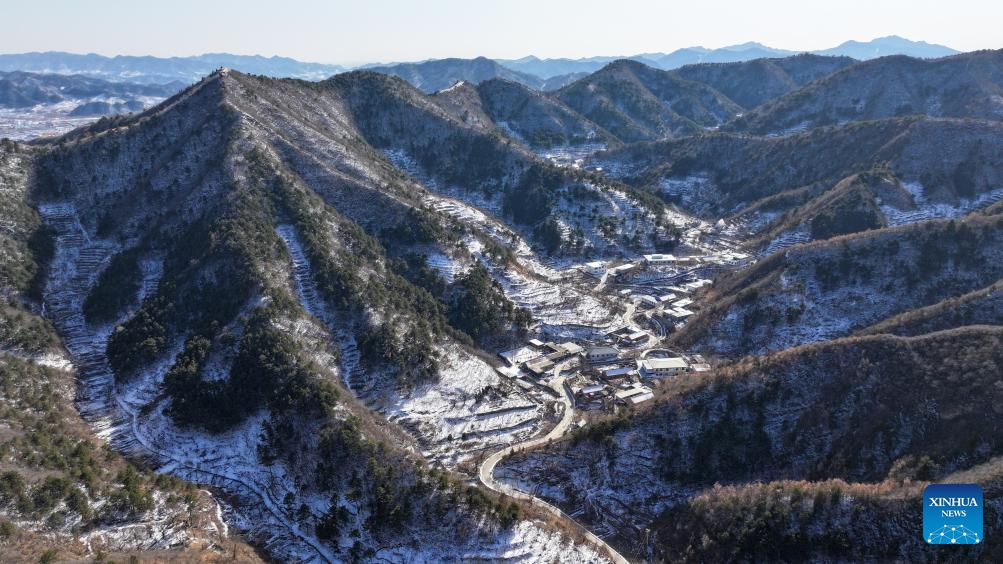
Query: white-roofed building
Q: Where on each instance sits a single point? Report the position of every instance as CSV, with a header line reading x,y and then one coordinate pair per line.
x,y
679,313
639,398
518,356
636,337
595,268
662,367
619,372
599,355
659,259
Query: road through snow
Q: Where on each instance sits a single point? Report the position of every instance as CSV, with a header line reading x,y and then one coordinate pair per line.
x,y
487,469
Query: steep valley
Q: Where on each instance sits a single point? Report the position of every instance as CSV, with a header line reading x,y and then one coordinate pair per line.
x,y
648,316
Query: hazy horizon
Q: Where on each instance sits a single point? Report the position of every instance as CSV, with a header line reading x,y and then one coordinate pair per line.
x,y
396,61
393,30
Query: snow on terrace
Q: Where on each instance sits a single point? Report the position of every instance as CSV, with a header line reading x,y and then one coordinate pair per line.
x,y
459,415
926,209
447,417
793,130
504,126
447,267
228,460
617,497
571,155
540,292
787,239
525,542
353,376
130,415
449,413
696,192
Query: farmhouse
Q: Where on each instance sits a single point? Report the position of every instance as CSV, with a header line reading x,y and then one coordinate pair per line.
x,y
620,372
682,303
560,351
662,367
635,338
540,366
634,394
599,355
518,356
679,313
594,268
648,301
622,270
659,259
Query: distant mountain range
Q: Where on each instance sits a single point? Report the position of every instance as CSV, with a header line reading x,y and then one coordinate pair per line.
x,y
880,47
435,75
23,90
966,86
432,75
147,69
891,45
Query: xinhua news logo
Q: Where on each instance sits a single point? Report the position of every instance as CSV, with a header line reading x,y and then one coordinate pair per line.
x,y
952,514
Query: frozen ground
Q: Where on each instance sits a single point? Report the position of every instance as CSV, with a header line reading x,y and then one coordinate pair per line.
x,y
130,415
49,120
796,309
526,542
617,495
926,209
542,289
471,409
923,210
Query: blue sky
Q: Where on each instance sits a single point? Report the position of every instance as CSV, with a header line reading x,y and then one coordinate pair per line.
x,y
396,30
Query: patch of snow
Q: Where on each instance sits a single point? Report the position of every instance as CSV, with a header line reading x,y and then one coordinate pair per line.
x,y
926,210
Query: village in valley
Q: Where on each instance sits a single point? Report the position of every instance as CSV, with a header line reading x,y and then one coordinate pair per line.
x,y
621,368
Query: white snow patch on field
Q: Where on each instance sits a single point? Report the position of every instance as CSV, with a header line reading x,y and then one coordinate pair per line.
x,y
926,209
447,267
130,415
526,542
470,409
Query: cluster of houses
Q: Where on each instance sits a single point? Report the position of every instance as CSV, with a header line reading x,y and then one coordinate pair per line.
x,y
672,305
608,380
659,266
630,336
606,376
600,396
613,373
540,358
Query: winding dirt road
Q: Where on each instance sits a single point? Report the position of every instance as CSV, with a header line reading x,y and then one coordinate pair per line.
x,y
487,469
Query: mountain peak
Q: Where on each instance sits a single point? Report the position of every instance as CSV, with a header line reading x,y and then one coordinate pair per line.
x,y
889,45
747,46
